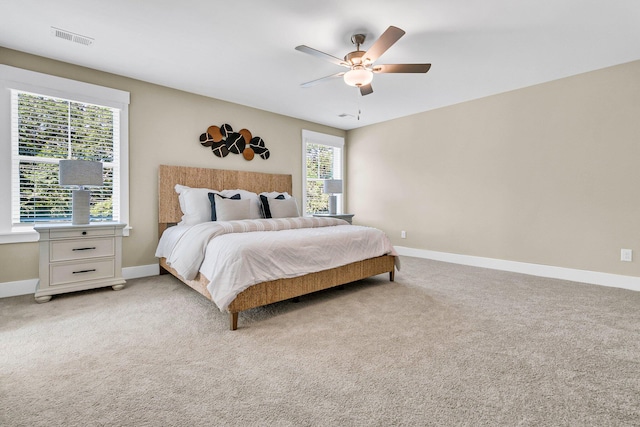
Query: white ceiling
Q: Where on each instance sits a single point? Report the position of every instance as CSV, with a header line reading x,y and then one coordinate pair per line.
x,y
243,51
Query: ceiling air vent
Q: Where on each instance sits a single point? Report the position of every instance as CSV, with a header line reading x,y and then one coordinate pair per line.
x,y
344,115
72,37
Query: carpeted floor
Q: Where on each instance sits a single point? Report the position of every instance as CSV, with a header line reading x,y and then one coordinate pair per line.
x,y
444,345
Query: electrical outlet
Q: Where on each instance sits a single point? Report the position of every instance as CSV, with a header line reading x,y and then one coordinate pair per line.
x,y
403,234
626,255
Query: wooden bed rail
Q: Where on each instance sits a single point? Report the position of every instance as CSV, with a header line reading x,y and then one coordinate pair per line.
x,y
283,289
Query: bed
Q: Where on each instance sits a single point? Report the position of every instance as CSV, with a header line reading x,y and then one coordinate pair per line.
x,y
267,292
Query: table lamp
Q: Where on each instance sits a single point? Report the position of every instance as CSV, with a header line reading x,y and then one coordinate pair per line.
x,y
332,187
80,174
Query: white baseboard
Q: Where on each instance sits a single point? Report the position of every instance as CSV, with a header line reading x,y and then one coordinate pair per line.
x,y
140,271
583,276
20,287
26,287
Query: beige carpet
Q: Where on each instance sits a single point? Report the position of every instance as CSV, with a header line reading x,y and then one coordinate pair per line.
x,y
444,345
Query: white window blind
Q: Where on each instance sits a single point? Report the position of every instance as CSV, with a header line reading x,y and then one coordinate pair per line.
x,y
323,159
47,129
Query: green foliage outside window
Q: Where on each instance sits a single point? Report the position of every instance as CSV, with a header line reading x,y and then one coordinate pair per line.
x,y
320,166
50,129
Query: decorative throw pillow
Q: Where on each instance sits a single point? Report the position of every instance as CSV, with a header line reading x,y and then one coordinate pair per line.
x,y
271,195
232,209
212,200
282,208
264,205
254,207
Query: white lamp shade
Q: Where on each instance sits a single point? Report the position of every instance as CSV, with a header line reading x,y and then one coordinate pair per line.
x,y
81,173
358,77
332,186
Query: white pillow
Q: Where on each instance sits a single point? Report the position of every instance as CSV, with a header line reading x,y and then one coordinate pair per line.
x,y
230,209
283,208
195,204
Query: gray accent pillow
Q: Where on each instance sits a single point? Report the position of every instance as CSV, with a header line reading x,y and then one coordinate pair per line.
x,y
264,203
232,209
283,208
215,196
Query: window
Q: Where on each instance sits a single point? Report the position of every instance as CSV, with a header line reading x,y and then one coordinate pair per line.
x,y
46,130
322,159
50,119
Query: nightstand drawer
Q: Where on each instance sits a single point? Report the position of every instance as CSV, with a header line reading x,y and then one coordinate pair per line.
x,y
77,272
65,250
82,232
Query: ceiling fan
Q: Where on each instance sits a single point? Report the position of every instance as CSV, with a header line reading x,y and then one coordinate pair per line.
x,y
361,64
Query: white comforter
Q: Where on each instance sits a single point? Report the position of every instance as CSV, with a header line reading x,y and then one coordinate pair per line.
x,y
234,255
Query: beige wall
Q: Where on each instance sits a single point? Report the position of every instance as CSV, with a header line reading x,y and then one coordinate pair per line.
x,y
164,128
548,174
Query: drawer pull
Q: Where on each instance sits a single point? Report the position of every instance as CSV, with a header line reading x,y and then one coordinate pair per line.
x,y
83,249
84,271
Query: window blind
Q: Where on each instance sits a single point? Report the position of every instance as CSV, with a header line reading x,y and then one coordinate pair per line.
x,y
47,129
322,162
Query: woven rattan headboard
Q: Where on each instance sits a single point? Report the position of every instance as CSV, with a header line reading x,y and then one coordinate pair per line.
x,y
216,179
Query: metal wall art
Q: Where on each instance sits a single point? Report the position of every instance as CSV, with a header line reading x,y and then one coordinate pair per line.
x,y
223,140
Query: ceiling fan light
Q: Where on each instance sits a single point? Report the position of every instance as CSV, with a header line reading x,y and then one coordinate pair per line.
x,y
358,77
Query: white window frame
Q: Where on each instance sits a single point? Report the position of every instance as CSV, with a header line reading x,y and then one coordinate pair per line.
x,y
12,78
311,137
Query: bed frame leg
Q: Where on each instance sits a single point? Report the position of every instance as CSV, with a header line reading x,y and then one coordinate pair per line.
x,y
392,275
233,321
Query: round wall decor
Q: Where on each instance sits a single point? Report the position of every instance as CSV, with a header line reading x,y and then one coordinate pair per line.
x,y
223,140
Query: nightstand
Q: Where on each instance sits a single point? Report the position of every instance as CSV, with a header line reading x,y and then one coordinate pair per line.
x,y
346,217
79,257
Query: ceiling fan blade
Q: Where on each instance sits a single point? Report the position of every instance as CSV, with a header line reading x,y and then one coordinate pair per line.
x,y
320,80
366,89
386,40
401,68
321,55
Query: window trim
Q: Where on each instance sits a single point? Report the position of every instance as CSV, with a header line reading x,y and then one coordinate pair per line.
x,y
59,87
312,137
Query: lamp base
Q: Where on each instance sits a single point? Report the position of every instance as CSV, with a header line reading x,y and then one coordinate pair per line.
x,y
80,209
333,204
